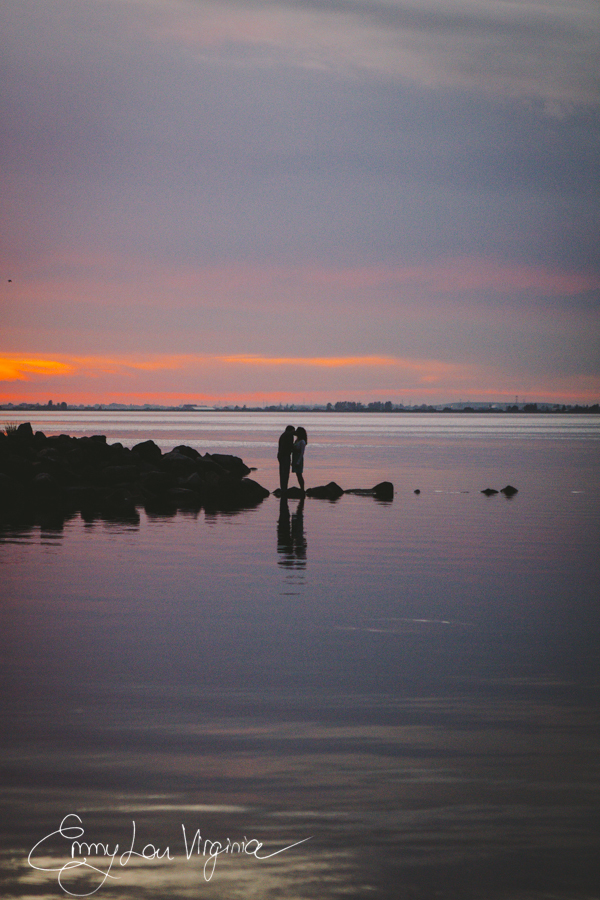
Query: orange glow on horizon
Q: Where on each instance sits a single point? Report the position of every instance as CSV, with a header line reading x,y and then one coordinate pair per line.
x,y
20,368
171,379
13,367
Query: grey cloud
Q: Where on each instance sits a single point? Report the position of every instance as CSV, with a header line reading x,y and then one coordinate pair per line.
x,y
484,19
541,50
117,136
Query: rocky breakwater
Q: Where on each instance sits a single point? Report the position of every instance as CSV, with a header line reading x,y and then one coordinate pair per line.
x,y
66,474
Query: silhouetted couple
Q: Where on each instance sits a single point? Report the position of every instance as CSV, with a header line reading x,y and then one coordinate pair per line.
x,y
292,445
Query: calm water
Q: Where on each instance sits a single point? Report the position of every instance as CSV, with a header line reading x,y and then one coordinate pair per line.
x,y
412,685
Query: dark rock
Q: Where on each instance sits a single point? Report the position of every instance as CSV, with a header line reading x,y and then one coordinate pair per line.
x,y
54,467
17,466
160,508
212,482
178,463
61,474
250,490
489,492
158,482
74,457
89,474
384,490
416,491
215,484
119,474
83,497
61,442
117,452
148,450
187,451
118,505
49,453
24,431
235,494
331,491
293,492
10,490
183,498
93,447
208,464
232,464
142,465
194,482
509,490
46,489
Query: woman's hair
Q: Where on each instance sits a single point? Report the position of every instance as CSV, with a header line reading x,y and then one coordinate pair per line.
x,y
301,434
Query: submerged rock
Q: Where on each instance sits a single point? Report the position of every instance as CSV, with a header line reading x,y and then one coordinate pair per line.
x,y
293,493
331,491
508,491
384,490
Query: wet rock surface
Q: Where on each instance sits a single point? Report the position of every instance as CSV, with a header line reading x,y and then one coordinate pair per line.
x,y
508,491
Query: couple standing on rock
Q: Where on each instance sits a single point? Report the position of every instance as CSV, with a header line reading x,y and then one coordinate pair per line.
x,y
292,444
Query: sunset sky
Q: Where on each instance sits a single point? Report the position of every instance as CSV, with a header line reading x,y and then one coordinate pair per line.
x,y
263,201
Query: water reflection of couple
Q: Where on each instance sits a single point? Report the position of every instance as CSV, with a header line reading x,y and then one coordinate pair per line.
x,y
292,445
291,540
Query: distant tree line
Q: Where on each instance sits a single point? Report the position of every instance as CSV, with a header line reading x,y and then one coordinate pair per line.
x,y
351,406
377,406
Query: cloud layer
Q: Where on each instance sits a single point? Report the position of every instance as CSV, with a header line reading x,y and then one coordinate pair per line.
x,y
314,180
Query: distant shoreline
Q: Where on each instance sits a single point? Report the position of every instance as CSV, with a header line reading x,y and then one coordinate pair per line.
x,y
500,409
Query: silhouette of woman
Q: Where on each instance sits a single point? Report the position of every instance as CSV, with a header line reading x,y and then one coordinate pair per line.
x,y
298,455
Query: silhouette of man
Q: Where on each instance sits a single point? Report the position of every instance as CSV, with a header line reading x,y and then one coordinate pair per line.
x,y
284,455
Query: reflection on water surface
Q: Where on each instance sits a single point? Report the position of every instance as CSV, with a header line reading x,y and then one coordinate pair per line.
x,y
412,685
